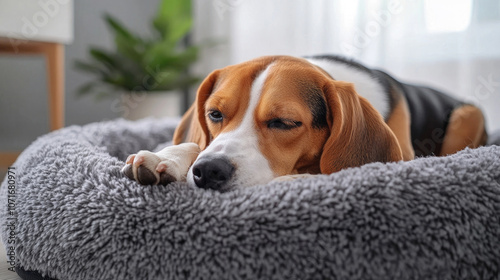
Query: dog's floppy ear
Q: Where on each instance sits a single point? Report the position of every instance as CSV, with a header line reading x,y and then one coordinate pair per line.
x,y
193,126
358,133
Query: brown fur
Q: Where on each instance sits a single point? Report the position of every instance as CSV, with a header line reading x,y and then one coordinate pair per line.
x,y
355,133
399,123
358,133
193,126
218,91
298,150
465,129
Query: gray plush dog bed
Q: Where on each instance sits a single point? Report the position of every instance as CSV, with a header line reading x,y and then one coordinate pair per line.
x,y
78,217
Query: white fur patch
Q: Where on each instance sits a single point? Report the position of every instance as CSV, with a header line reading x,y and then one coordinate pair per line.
x,y
364,85
241,146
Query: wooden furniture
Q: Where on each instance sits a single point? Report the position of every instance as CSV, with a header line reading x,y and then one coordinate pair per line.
x,y
54,54
39,27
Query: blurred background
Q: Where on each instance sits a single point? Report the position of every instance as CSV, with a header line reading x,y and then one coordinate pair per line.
x,y
453,45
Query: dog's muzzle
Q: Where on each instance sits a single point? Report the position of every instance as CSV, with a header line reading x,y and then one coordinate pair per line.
x,y
212,172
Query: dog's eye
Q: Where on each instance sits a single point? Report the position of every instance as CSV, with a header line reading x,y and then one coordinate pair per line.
x,y
283,124
215,116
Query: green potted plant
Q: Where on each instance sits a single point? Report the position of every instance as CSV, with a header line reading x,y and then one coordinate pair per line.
x,y
139,69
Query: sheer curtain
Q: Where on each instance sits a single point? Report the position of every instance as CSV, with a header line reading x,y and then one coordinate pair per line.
x,y
453,45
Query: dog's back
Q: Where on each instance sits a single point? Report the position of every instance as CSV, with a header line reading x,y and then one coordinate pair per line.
x,y
438,123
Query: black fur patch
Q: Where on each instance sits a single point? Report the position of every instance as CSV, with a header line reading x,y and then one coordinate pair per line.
x,y
317,104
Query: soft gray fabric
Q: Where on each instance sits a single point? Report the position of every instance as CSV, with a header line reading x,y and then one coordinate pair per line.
x,y
80,218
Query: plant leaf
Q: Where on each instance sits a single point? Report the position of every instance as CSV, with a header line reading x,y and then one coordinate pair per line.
x,y
160,59
87,67
86,88
108,59
119,29
173,20
145,64
127,43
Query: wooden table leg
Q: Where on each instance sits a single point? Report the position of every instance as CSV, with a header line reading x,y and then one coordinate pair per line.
x,y
55,74
54,54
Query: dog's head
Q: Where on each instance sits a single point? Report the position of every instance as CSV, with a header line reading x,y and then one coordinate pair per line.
x,y
276,116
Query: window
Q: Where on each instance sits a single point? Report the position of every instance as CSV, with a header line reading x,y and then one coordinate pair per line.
x,y
447,15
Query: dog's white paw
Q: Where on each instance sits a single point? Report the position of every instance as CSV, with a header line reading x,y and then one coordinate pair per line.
x,y
169,165
147,168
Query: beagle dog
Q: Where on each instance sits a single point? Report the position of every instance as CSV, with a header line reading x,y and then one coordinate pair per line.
x,y
280,116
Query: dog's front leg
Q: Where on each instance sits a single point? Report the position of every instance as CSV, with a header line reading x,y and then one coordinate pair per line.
x,y
168,165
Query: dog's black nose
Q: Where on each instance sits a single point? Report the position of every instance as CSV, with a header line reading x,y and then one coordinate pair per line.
x,y
212,173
